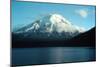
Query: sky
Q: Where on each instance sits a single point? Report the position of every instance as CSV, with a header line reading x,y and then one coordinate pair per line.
x,y
23,13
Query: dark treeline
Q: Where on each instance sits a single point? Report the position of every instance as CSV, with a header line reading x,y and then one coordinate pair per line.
x,y
86,39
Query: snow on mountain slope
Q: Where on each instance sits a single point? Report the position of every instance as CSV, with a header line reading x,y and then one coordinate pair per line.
x,y
51,23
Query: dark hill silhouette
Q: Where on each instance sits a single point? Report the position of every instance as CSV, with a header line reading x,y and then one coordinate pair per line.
x,y
86,39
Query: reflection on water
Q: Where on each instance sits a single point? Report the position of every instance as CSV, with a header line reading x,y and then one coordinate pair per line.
x,y
46,55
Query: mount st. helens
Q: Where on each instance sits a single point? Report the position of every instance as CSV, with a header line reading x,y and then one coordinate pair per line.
x,y
49,30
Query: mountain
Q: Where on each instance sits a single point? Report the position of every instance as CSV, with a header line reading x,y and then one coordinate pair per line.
x,y
52,30
51,27
85,39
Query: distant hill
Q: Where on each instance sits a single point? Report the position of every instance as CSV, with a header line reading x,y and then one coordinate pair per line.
x,y
86,39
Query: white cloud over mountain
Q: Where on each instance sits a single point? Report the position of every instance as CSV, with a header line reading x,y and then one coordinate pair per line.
x,y
83,13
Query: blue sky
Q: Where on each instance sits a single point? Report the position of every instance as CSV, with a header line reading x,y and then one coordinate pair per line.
x,y
24,13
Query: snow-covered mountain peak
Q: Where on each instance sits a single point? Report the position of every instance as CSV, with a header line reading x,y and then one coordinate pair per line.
x,y
51,23
57,18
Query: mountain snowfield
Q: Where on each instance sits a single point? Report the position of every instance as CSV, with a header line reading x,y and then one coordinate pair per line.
x,y
49,24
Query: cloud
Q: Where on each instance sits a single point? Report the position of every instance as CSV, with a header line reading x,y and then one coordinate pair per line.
x,y
82,13
80,29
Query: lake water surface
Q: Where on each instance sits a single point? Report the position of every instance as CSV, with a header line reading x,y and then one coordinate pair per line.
x,y
48,55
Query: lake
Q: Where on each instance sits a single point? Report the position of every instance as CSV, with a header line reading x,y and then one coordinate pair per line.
x,y
49,55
